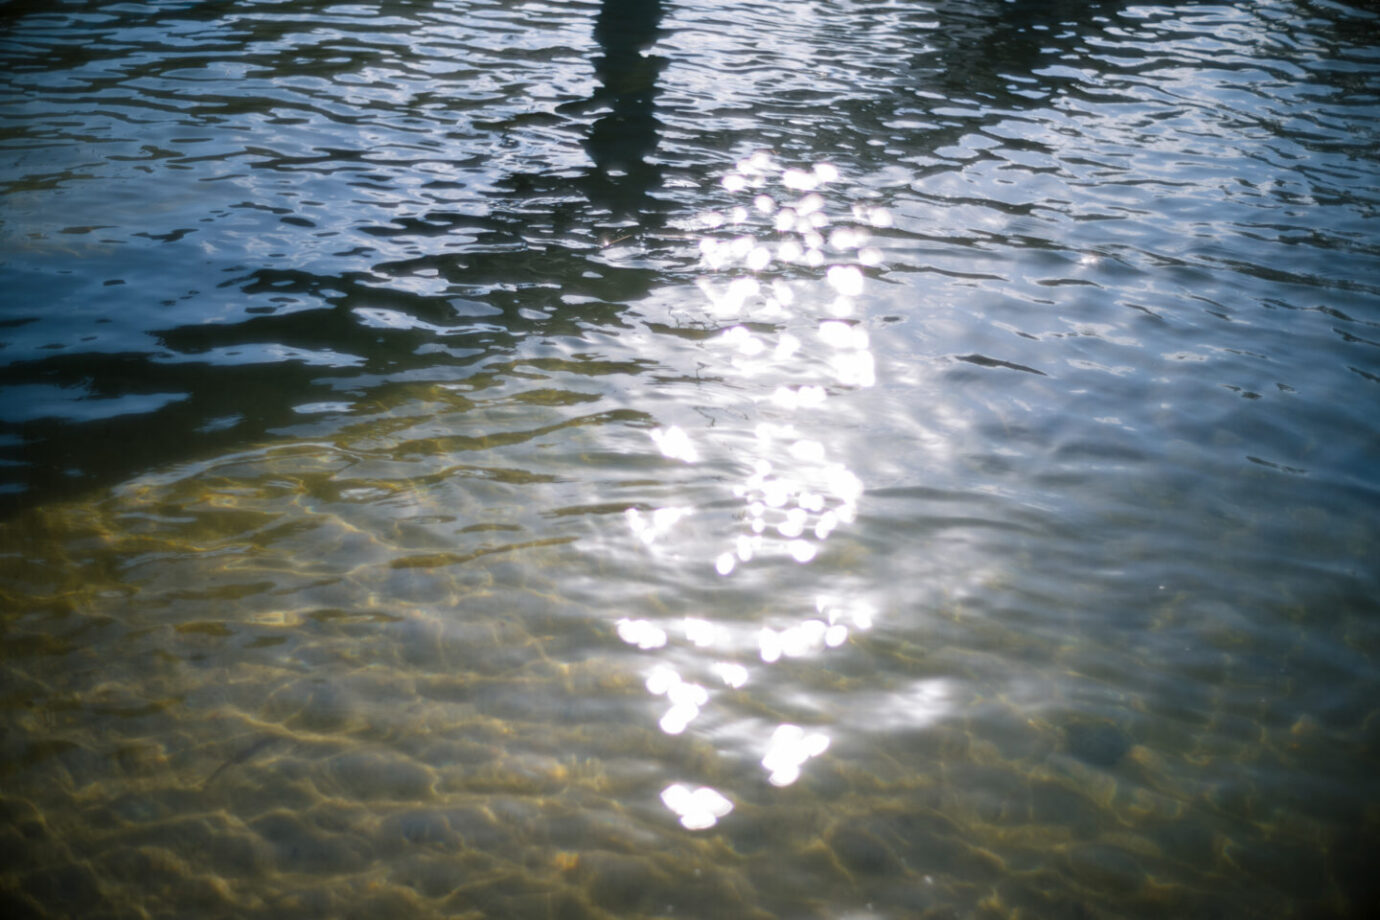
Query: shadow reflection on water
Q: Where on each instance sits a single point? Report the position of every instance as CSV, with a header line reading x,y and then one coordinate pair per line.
x,y
266,341
622,140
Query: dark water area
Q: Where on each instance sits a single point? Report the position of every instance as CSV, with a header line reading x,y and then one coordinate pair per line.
x,y
836,459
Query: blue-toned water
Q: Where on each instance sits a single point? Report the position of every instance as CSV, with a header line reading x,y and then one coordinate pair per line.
x,y
835,459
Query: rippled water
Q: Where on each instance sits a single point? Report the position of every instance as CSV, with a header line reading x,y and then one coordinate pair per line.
x,y
831,459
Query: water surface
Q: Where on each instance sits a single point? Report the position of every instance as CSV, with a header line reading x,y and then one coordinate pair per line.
x,y
831,459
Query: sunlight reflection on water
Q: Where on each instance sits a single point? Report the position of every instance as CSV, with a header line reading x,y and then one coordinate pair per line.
x,y
787,268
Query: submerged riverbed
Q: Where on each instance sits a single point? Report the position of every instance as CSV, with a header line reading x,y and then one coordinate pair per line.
x,y
831,459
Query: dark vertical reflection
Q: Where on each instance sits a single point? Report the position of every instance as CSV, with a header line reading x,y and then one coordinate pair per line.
x,y
622,141
176,388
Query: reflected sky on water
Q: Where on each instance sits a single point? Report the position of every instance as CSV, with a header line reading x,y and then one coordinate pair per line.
x,y
827,459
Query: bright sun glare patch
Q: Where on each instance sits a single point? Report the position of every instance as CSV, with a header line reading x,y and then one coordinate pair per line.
x,y
789,748
685,698
650,528
697,809
642,633
675,444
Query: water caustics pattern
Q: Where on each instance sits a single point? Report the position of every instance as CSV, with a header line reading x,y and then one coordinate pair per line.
x,y
833,459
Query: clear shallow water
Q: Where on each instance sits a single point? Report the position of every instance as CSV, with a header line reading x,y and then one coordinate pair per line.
x,y
421,479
